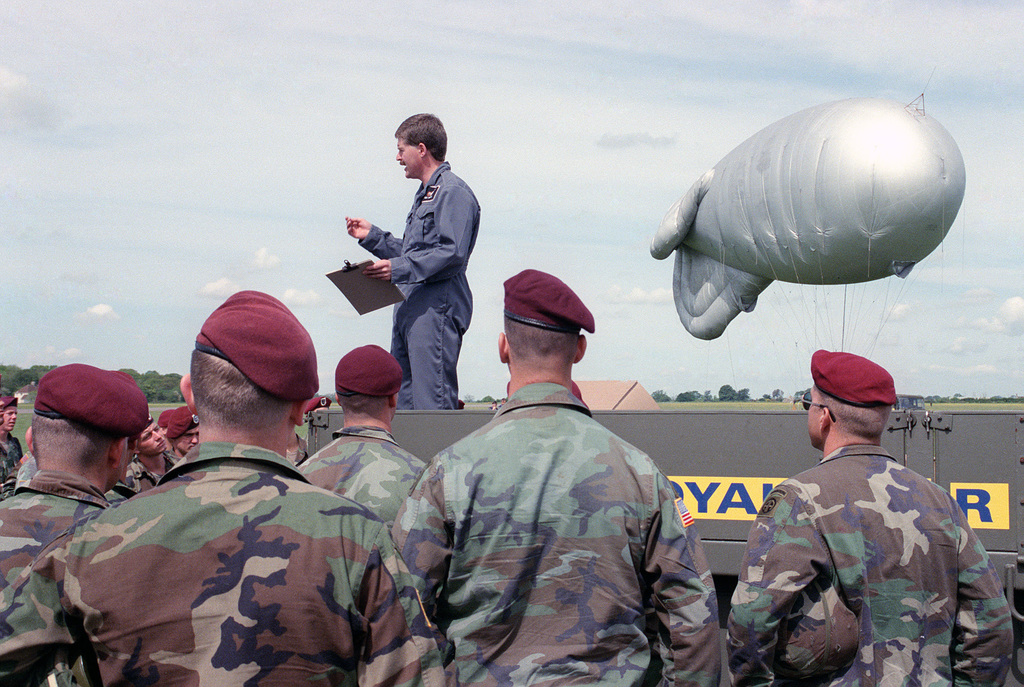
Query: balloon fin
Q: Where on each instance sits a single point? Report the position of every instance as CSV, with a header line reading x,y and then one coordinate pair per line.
x,y
709,294
901,268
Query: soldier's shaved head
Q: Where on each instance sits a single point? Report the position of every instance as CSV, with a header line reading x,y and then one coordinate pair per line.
x,y
865,423
528,344
60,444
225,397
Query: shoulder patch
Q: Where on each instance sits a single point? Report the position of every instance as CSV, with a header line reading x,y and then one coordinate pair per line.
x,y
430,193
770,503
684,513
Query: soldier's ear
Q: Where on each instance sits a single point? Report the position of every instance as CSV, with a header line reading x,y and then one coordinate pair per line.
x,y
297,412
186,392
503,348
581,348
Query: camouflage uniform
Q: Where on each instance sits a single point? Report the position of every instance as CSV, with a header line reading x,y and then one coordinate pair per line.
x,y
928,603
38,513
542,541
138,477
10,456
299,454
263,579
367,465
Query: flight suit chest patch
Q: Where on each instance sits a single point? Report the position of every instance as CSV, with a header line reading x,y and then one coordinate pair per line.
x,y
429,194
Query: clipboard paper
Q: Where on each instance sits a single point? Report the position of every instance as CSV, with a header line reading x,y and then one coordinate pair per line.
x,y
365,294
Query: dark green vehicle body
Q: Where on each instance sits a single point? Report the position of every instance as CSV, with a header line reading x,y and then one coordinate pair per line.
x,y
724,462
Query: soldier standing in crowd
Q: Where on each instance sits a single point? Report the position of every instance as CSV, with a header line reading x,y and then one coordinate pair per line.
x,y
547,549
429,265
263,578
85,422
182,430
151,460
10,447
859,571
364,462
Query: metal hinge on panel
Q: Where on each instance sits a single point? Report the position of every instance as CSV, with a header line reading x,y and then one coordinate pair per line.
x,y
902,420
938,422
320,420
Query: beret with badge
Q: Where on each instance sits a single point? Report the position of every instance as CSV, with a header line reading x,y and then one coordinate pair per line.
x,y
541,300
179,421
852,380
106,400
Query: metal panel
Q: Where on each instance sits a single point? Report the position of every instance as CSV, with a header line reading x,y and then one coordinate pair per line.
x,y
962,447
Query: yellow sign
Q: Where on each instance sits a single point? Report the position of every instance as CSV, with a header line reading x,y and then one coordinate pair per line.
x,y
986,504
724,498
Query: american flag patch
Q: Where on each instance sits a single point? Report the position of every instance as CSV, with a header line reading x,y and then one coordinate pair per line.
x,y
684,513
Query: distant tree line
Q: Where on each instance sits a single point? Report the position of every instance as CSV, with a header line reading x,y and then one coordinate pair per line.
x,y
727,393
159,388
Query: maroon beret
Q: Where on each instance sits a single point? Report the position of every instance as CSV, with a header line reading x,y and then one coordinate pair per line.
x,y
262,338
180,421
317,402
368,370
541,300
165,417
8,402
852,379
106,400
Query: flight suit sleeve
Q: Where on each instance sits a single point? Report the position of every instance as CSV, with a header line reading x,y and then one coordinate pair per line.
x,y
983,631
683,594
381,243
442,235
785,551
423,536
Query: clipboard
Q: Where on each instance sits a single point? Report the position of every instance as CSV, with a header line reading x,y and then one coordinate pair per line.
x,y
365,294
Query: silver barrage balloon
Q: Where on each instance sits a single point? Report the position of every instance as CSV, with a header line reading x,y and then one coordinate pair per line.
x,y
840,193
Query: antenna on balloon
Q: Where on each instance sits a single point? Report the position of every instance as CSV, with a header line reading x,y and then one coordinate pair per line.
x,y
916,106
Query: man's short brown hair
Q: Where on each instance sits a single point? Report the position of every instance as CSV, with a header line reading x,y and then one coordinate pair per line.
x,y
426,129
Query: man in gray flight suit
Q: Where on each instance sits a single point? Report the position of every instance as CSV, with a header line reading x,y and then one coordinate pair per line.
x,y
429,265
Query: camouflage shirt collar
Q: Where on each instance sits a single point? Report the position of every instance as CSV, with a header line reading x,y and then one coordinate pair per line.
x,y
858,450
210,452
545,394
66,485
365,432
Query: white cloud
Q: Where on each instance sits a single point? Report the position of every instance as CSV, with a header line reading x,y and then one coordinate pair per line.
x,y
295,298
900,312
967,371
976,297
22,106
1009,319
967,344
635,141
101,312
264,260
222,288
617,294
67,355
1011,312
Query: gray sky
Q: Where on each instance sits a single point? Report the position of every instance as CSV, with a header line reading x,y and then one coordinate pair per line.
x,y
155,157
